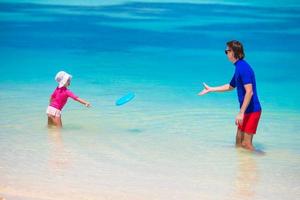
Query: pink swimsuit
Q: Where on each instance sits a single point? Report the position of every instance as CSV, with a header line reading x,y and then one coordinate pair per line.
x,y
60,97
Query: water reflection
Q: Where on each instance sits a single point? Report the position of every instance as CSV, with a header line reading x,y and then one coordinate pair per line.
x,y
2,198
247,176
59,158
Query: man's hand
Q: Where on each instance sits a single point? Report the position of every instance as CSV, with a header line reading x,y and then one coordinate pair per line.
x,y
206,89
239,119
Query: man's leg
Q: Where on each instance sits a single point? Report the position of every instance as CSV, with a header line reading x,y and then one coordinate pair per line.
x,y
239,138
247,142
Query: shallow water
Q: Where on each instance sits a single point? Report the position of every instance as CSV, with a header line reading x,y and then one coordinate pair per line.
x,y
167,143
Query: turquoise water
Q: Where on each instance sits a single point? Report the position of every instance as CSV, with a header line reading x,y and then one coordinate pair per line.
x,y
167,143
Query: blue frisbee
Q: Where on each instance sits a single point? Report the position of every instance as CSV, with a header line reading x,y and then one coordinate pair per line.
x,y
128,97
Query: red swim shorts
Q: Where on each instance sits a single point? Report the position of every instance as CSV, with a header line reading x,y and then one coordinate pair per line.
x,y
250,122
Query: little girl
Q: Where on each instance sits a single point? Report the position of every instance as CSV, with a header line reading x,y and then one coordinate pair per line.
x,y
59,98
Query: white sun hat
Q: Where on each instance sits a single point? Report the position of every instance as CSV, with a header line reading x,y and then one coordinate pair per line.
x,y
62,78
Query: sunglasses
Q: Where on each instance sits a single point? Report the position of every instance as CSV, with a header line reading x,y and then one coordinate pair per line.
x,y
226,51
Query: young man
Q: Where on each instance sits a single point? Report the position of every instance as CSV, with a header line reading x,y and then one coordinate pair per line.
x,y
244,80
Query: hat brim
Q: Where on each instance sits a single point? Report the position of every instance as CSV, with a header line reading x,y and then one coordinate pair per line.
x,y
64,80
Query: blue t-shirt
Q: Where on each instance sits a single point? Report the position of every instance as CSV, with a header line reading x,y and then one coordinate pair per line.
x,y
245,75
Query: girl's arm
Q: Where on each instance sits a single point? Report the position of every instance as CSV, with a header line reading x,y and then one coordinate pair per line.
x,y
87,104
76,98
222,88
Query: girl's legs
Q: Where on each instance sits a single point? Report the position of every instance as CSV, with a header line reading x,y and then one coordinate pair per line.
x,y
54,121
50,121
57,122
239,138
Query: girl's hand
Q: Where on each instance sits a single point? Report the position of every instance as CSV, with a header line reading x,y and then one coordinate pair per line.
x,y
206,89
87,104
239,119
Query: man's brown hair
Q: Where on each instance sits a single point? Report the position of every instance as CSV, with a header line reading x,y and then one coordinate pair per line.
x,y
237,48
